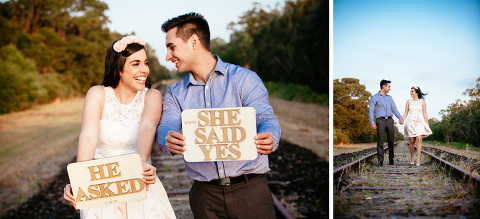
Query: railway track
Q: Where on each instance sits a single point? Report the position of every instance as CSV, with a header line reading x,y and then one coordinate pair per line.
x,y
437,188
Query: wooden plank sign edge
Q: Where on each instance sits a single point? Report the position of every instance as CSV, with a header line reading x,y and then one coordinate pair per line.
x,y
230,138
107,181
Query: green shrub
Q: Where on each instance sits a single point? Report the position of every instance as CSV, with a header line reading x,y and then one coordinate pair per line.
x,y
295,92
340,137
20,83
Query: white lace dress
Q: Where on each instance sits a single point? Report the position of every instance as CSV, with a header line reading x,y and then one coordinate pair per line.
x,y
415,124
118,135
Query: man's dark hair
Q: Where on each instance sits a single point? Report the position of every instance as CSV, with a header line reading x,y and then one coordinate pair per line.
x,y
189,24
384,82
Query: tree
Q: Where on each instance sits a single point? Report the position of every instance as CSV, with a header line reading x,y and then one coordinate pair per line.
x,y
157,71
461,120
350,112
17,80
55,48
287,45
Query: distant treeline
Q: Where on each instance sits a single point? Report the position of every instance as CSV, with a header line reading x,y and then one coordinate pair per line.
x,y
55,48
460,121
288,45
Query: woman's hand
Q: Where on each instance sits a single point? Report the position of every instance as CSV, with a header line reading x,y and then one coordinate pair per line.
x,y
68,195
149,173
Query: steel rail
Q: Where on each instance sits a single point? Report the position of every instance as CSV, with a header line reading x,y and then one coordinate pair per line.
x,y
463,174
344,169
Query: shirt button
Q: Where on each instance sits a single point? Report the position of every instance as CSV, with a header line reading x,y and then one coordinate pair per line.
x,y
206,87
220,171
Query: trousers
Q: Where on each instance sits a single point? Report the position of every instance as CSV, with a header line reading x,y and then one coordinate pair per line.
x,y
385,126
251,199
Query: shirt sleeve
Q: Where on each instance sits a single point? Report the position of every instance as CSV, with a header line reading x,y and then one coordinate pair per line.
x,y
254,94
171,120
371,108
395,111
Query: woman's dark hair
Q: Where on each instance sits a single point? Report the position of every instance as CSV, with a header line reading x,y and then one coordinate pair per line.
x,y
419,92
189,24
114,62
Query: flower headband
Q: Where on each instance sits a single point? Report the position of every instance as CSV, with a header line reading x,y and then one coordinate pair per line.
x,y
120,45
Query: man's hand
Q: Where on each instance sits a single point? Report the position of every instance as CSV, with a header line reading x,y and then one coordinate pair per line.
x,y
374,127
400,121
264,142
175,142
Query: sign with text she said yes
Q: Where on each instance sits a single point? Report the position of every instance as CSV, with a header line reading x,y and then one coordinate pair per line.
x,y
107,181
219,134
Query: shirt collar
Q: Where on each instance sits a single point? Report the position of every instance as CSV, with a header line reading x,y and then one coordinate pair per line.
x,y
220,67
380,94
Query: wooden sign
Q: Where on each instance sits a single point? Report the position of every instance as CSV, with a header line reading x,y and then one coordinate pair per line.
x,y
107,181
219,134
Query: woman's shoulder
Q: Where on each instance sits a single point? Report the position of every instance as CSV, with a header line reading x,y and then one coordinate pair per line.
x,y
95,98
96,91
153,92
153,95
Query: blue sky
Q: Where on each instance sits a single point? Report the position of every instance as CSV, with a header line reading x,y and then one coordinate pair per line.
x,y
146,17
433,44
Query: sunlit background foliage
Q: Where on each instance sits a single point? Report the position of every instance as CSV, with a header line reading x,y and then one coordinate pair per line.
x,y
460,122
55,49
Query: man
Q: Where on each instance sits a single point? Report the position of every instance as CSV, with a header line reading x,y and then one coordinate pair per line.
x,y
232,189
382,106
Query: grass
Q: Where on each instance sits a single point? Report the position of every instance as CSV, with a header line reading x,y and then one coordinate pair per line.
x,y
295,92
34,146
455,145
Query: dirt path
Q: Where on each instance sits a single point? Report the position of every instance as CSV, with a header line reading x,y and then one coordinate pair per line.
x,y
303,124
34,146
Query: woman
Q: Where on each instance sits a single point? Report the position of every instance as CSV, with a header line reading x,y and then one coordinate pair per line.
x,y
121,117
416,126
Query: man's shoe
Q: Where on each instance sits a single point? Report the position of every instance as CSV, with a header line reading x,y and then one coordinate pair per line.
x,y
380,163
391,162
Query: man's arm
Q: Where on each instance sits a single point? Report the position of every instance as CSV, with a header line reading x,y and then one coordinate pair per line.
x,y
371,109
171,121
254,94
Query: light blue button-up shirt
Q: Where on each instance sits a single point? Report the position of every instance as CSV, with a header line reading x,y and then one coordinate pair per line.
x,y
382,106
227,86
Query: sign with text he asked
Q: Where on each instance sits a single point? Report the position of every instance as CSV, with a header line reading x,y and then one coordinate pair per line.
x,y
219,134
107,181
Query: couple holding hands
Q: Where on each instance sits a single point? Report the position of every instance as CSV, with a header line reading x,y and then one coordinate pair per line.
x,y
124,116
382,108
